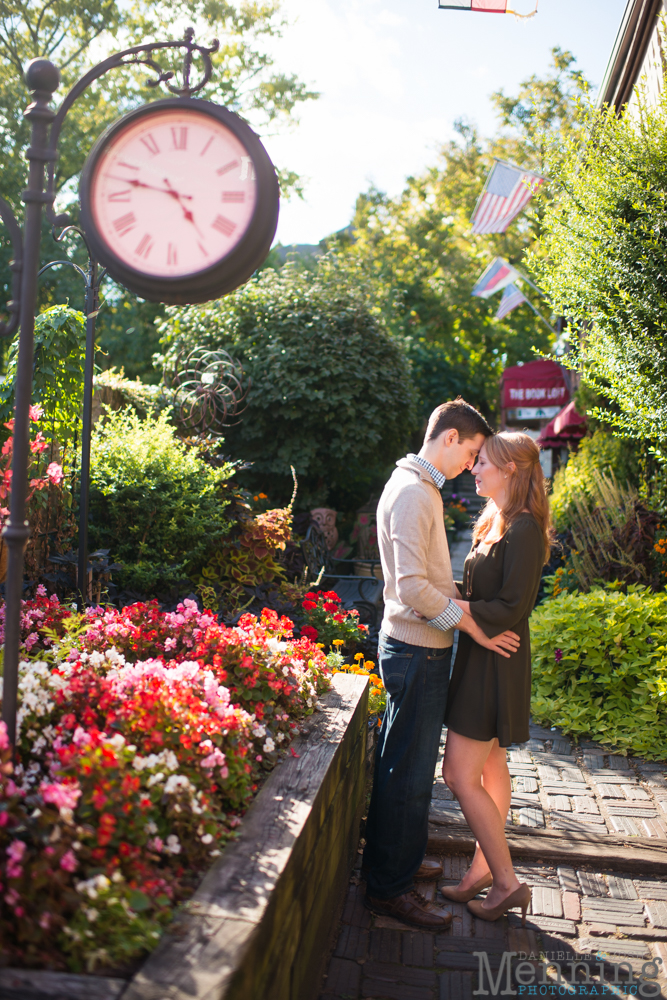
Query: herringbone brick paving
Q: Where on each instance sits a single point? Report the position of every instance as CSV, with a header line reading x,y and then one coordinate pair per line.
x,y
574,912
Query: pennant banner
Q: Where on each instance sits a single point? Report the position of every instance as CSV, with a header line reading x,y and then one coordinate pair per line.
x,y
512,298
507,191
498,275
490,6
485,6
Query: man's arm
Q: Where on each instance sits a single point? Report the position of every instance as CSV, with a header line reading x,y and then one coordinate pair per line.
x,y
503,644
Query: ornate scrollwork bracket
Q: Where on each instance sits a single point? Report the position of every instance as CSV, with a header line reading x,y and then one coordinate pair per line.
x,y
138,55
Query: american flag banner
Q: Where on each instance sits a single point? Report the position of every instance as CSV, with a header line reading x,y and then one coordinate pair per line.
x,y
486,6
496,276
507,191
512,298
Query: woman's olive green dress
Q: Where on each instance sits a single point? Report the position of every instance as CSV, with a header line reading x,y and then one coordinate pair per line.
x,y
489,694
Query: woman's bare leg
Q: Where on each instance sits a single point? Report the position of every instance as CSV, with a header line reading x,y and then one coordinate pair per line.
x,y
496,781
477,773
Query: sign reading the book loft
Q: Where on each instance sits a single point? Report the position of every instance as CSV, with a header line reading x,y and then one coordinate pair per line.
x,y
179,201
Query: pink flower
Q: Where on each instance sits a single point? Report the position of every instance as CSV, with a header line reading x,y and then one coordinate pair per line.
x,y
215,759
36,412
15,853
68,861
170,644
45,920
16,850
31,640
4,818
55,474
156,844
4,739
12,897
19,911
60,795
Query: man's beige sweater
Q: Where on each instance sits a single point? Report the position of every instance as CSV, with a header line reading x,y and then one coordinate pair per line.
x,y
415,557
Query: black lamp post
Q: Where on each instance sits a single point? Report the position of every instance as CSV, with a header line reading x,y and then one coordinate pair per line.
x,y
42,79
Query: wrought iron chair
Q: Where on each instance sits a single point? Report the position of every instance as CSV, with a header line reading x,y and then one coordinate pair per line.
x,y
355,591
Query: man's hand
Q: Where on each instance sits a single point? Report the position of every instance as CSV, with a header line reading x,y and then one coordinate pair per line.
x,y
504,644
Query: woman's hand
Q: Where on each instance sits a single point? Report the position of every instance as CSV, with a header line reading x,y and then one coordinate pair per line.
x,y
463,605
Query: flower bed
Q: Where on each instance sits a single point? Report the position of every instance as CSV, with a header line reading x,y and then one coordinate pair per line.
x,y
142,737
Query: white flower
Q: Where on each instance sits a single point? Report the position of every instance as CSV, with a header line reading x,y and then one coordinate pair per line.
x,y
269,746
207,838
280,737
91,914
151,827
259,731
178,783
117,741
155,779
172,846
96,659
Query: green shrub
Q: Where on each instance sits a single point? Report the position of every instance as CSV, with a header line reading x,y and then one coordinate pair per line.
x,y
602,259
58,371
600,667
575,483
154,503
331,392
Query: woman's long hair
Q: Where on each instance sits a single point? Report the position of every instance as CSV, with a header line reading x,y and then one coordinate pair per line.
x,y
526,486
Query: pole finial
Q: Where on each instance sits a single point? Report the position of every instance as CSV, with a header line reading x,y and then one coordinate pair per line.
x,y
42,74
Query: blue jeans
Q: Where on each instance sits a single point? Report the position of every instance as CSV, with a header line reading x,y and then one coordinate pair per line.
x,y
416,679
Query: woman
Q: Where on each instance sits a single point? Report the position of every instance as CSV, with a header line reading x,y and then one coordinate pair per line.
x,y
488,705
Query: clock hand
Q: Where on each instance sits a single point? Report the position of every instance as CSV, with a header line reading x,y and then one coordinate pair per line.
x,y
186,211
135,183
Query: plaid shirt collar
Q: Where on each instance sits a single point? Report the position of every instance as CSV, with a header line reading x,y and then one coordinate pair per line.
x,y
438,478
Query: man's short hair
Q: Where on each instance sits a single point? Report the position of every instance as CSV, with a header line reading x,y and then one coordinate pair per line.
x,y
460,416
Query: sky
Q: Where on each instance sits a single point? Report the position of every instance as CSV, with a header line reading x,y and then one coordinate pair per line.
x,y
393,77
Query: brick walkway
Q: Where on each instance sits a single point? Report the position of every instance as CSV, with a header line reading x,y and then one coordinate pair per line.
x,y
576,911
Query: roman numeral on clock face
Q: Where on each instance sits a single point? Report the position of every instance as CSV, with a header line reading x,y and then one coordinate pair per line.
x,y
227,167
120,195
172,257
233,197
223,225
125,223
180,137
150,144
144,246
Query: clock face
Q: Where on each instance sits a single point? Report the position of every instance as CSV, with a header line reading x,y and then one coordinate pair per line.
x,y
173,192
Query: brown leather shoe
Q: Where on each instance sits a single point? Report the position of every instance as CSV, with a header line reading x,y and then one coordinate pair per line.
x,y
429,871
411,908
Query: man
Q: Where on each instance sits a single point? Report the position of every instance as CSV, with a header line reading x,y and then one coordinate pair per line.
x,y
414,660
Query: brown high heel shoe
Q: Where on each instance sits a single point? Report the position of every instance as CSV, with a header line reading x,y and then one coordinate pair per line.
x,y
520,897
463,895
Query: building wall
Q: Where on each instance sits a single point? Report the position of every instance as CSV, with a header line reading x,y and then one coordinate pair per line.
x,y
651,79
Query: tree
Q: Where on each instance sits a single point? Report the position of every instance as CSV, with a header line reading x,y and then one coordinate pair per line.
x,y
331,390
421,257
603,261
75,35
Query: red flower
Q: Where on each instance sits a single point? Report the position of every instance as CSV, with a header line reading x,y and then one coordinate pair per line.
x,y
330,606
309,632
309,605
339,618
310,596
331,595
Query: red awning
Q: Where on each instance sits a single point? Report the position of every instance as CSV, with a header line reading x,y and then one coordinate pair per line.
x,y
537,383
568,425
